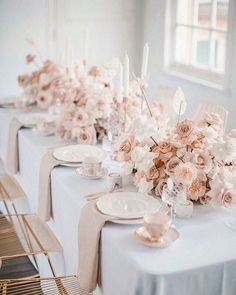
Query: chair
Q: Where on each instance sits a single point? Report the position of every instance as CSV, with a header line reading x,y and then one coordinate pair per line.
x,y
24,235
67,285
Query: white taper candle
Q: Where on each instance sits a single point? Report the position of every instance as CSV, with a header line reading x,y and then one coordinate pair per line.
x,y
126,76
119,83
86,41
145,60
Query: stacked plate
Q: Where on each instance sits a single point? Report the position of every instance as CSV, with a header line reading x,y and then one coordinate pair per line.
x,y
15,102
73,155
31,120
129,207
8,102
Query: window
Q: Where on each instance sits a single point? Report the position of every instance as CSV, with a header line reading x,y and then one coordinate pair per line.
x,y
198,38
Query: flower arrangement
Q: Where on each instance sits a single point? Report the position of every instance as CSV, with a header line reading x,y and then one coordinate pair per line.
x,y
85,108
195,154
39,86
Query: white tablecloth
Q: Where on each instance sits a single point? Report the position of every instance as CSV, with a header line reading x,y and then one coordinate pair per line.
x,y
202,261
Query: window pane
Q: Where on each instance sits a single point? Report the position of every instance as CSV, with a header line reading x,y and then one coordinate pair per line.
x,y
222,14
204,10
201,48
185,12
218,52
183,45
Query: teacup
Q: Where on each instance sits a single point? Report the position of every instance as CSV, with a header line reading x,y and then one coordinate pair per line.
x,y
91,166
157,224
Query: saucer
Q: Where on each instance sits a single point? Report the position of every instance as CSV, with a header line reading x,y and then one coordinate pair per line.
x,y
142,235
102,173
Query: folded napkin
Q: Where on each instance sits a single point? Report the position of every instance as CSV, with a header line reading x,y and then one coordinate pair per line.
x,y
89,233
48,162
11,188
13,147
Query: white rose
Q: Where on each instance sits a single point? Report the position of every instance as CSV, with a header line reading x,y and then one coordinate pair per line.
x,y
225,151
128,167
142,157
144,186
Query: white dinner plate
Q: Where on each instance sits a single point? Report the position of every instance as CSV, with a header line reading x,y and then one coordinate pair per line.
x,y
163,209
32,119
8,101
128,205
76,153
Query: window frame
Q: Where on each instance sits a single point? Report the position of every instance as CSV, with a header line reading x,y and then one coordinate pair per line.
x,y
200,75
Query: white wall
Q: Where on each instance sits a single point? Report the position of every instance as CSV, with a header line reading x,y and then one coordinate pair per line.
x,y
19,20
114,28
154,33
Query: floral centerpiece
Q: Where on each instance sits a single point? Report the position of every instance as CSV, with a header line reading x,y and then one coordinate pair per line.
x,y
85,108
195,154
39,86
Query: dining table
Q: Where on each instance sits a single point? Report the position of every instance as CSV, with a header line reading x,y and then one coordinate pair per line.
x,y
201,262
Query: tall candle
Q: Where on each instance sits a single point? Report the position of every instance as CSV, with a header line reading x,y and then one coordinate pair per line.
x,y
126,76
119,84
68,52
72,60
145,60
86,40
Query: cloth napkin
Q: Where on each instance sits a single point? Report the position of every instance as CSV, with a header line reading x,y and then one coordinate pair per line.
x,y
89,234
48,162
13,146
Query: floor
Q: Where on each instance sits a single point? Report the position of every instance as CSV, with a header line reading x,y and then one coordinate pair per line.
x,y
19,267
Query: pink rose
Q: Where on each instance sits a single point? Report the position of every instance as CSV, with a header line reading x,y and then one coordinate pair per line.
x,y
160,185
81,118
152,173
202,160
44,99
166,150
171,164
185,128
197,189
48,66
185,131
185,173
62,133
30,58
226,198
125,149
200,141
33,91
94,71
24,80
34,79
85,135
